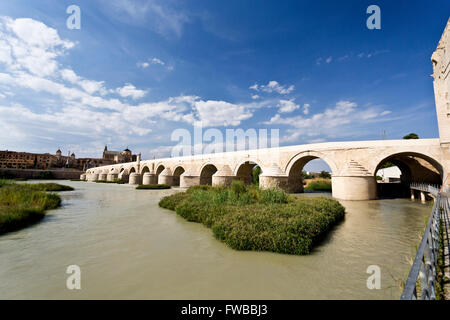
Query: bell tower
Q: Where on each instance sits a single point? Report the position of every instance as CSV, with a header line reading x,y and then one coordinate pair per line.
x,y
441,75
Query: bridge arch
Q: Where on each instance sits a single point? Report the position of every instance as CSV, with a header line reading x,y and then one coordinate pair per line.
x,y
145,169
206,173
414,167
160,168
294,168
179,170
244,170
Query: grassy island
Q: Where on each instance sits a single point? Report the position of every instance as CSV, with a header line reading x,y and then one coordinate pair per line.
x,y
247,218
25,204
117,181
152,186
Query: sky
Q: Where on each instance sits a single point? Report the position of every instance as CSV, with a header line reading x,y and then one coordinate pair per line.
x,y
138,70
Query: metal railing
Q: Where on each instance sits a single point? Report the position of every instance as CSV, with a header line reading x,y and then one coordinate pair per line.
x,y
422,276
432,188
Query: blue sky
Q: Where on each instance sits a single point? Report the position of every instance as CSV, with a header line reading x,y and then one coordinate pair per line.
x,y
137,70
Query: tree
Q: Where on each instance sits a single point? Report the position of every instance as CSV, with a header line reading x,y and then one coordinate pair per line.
x,y
411,136
256,172
325,175
305,175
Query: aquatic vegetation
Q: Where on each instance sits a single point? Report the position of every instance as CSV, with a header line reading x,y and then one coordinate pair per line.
x,y
25,204
248,218
152,186
319,185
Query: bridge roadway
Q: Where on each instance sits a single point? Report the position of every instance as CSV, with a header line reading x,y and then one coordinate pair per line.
x,y
353,166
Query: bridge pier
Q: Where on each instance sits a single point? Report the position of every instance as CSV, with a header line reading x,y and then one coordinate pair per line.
x,y
189,179
135,178
354,188
83,177
423,198
111,177
223,177
92,177
273,177
149,178
124,177
166,177
295,185
413,194
102,177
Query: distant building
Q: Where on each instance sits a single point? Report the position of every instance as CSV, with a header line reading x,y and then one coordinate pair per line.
x,y
25,160
390,174
118,156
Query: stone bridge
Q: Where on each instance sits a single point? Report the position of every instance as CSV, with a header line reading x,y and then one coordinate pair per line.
x,y
353,164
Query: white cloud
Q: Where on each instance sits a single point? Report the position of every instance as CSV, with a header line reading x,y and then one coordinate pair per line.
x,y
130,90
158,61
143,65
254,87
328,123
273,86
220,113
255,97
286,106
154,61
30,45
306,108
89,86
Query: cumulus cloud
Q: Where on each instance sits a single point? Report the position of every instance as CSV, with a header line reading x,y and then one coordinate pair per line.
x,y
29,45
89,86
79,111
287,106
220,113
329,122
273,86
130,90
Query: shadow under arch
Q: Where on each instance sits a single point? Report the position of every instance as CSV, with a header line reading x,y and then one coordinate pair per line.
x,y
159,169
206,173
145,169
414,167
244,170
179,170
417,167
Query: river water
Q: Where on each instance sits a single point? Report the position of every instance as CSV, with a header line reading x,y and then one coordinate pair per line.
x,y
129,248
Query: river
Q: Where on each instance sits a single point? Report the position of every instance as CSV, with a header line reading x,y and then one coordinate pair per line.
x,y
129,248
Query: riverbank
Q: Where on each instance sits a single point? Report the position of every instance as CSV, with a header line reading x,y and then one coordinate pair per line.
x,y
24,204
247,218
318,185
36,174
